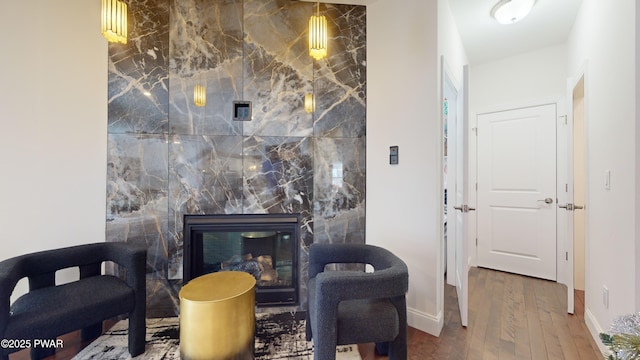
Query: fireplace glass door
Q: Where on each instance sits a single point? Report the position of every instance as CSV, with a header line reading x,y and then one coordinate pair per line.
x,y
264,246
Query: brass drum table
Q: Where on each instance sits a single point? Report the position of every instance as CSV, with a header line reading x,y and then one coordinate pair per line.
x,y
217,317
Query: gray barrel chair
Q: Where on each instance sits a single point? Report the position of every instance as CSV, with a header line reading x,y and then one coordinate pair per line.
x,y
354,307
49,310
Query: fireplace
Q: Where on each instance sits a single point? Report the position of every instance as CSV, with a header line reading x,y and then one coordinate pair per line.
x,y
263,245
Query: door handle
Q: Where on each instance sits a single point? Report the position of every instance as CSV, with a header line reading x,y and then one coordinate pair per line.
x,y
547,200
464,208
568,207
578,207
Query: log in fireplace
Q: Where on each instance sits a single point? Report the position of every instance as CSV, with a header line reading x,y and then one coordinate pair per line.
x,y
263,245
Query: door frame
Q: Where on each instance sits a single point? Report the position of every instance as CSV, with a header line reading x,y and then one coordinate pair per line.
x,y
565,236
453,264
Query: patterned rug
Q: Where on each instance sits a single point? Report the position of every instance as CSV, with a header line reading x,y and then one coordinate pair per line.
x,y
278,336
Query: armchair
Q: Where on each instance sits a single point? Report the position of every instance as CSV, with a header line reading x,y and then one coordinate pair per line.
x,y
49,310
354,307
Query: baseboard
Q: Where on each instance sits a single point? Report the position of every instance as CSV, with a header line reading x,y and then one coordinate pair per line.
x,y
595,329
425,322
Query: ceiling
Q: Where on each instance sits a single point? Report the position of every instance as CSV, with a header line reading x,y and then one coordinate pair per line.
x,y
548,24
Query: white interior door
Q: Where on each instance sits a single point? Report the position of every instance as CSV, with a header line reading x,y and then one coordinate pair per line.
x,y
462,199
450,116
517,191
573,202
567,217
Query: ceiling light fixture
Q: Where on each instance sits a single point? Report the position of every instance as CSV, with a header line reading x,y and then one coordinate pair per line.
x,y
114,21
511,11
318,35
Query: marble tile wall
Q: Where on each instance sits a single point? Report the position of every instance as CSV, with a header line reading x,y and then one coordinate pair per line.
x,y
167,157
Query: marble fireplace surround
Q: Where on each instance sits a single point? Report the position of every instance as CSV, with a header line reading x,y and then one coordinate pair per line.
x,y
167,157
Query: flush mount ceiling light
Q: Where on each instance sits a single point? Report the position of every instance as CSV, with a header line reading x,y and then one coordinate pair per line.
x,y
318,35
511,11
114,21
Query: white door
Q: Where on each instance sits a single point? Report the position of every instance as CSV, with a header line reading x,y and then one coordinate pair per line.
x,y
462,199
450,117
565,219
517,191
574,200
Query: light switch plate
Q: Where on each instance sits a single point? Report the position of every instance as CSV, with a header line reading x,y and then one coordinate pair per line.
x,y
393,155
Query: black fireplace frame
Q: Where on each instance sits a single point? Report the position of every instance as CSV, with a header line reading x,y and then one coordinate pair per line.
x,y
193,249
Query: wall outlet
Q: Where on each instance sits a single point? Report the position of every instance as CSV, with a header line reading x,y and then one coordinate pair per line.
x,y
605,297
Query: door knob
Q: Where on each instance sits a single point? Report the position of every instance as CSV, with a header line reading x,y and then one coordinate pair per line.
x,y
547,200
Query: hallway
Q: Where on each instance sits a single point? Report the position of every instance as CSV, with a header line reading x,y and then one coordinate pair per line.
x,y
510,317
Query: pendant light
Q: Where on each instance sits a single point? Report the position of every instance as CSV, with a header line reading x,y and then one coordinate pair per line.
x,y
318,35
114,21
200,95
309,103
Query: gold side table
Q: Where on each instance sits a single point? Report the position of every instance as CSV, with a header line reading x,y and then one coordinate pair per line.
x,y
217,317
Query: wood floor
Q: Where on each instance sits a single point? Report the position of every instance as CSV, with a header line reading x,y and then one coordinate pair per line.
x,y
510,317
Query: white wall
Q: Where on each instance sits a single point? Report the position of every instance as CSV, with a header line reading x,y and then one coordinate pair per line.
x,y
597,40
449,42
533,78
403,201
53,109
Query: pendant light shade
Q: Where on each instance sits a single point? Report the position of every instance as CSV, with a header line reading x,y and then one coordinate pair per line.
x,y
114,21
318,35
511,11
199,95
309,103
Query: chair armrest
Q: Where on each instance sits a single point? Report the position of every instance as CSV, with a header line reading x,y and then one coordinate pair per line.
x,y
320,255
10,274
131,257
337,286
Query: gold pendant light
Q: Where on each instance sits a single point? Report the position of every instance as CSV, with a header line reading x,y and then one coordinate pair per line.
x,y
200,95
114,21
318,35
309,103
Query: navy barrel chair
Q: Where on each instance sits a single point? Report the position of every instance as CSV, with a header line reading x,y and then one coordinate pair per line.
x,y
354,306
49,310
